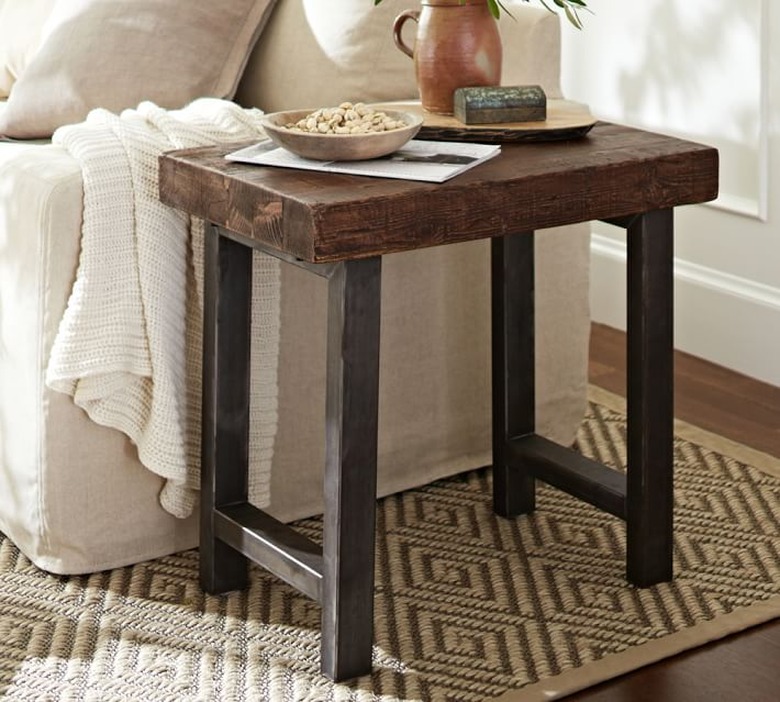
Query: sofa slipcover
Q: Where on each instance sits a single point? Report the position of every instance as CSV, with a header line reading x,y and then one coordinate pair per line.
x,y
73,495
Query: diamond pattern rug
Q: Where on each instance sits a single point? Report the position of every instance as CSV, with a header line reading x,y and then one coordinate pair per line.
x,y
469,607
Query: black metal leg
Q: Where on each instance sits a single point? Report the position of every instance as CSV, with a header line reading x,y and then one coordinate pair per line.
x,y
513,363
650,399
350,470
225,432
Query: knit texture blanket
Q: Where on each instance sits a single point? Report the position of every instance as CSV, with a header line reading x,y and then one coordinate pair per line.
x,y
128,348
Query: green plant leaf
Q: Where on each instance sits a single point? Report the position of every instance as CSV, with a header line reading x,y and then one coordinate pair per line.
x,y
572,17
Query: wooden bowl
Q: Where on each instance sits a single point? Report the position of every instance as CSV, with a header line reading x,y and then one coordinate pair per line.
x,y
339,147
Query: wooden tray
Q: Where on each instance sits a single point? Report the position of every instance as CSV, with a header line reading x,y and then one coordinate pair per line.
x,y
565,120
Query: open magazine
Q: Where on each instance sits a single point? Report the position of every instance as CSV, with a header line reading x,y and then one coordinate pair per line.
x,y
432,161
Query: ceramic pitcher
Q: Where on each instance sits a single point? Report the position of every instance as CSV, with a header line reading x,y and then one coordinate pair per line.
x,y
457,45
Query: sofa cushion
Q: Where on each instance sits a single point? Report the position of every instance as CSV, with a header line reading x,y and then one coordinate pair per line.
x,y
117,54
21,23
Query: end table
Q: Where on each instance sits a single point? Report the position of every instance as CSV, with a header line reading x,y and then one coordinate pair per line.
x,y
339,227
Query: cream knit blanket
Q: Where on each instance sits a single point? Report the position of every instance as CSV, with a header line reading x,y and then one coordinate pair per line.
x,y
128,348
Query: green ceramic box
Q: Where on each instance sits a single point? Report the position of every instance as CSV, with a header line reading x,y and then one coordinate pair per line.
x,y
496,104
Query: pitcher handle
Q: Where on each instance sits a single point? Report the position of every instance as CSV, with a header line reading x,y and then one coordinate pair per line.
x,y
413,15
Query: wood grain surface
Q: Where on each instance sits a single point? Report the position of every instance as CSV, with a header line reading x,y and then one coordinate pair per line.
x,y
612,172
565,119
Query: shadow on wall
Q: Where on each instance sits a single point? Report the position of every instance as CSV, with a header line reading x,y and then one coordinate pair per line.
x,y
705,70
687,67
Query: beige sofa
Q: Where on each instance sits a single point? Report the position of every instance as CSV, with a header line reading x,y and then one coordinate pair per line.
x,y
73,495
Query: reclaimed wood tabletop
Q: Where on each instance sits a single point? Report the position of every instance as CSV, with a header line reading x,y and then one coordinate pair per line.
x,y
613,171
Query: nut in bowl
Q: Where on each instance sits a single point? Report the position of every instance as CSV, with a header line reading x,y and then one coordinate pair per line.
x,y
349,132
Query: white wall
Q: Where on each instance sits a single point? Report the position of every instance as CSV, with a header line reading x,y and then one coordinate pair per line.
x,y
706,70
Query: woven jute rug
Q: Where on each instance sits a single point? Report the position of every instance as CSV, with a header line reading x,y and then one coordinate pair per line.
x,y
469,606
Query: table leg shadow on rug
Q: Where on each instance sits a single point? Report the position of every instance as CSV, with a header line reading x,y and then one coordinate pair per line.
x,y
469,606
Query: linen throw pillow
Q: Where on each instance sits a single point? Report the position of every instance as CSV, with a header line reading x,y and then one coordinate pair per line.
x,y
111,54
21,24
343,50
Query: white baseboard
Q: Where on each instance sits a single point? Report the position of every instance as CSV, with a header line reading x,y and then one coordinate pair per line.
x,y
728,320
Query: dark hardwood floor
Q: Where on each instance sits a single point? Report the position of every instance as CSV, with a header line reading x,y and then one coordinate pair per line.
x,y
709,396
744,667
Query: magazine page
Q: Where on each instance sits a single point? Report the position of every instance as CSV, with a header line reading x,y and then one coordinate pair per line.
x,y
432,161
